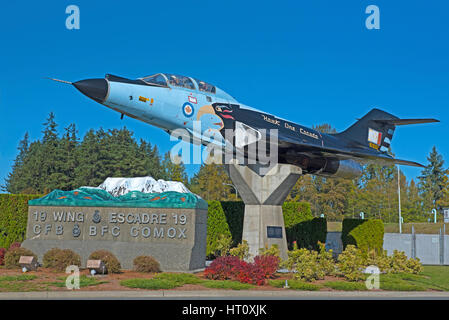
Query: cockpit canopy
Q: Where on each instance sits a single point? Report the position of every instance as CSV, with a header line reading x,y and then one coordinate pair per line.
x,y
166,79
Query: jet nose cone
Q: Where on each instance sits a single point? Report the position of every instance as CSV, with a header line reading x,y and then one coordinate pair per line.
x,y
96,89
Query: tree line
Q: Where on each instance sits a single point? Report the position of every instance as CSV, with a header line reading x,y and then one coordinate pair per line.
x,y
65,161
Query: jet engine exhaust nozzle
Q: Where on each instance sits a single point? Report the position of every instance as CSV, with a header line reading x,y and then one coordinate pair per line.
x,y
96,89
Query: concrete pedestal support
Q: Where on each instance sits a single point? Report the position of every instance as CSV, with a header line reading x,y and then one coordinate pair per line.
x,y
263,223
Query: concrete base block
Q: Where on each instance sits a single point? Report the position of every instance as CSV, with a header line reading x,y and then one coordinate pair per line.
x,y
263,195
256,222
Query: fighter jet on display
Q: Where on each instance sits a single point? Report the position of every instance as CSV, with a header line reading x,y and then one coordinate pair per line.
x,y
171,102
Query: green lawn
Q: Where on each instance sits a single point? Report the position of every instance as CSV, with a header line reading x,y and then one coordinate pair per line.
x,y
162,281
226,284
295,285
20,283
432,278
85,281
345,285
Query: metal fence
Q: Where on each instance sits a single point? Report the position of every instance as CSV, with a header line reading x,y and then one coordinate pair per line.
x,y
429,248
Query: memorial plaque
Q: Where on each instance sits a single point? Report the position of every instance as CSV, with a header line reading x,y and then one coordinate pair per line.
x,y
274,232
173,232
28,262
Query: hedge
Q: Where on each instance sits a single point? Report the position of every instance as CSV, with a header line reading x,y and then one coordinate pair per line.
x,y
13,218
234,212
216,226
302,227
365,234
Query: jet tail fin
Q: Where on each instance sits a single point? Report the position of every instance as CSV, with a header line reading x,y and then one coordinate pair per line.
x,y
376,129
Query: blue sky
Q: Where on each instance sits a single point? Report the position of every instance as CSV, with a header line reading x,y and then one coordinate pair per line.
x,y
311,62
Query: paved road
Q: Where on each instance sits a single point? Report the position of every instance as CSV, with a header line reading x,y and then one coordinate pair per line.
x,y
221,294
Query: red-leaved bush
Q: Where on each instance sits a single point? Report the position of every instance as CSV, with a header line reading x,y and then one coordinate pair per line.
x,y
232,268
267,264
2,256
224,268
14,245
251,273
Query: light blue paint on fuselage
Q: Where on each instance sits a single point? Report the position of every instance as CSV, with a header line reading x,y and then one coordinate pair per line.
x,y
166,111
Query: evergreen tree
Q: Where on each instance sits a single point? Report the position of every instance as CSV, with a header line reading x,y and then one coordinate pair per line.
x,y
151,159
50,157
433,182
14,182
68,154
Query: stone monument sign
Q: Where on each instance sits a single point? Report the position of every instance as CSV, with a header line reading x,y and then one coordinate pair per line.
x,y
169,226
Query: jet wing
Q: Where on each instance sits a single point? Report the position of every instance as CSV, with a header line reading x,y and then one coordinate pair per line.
x,y
359,154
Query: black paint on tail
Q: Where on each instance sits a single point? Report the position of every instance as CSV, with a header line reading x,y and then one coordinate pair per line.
x,y
376,129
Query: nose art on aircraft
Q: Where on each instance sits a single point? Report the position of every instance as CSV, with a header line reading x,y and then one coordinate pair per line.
x,y
96,89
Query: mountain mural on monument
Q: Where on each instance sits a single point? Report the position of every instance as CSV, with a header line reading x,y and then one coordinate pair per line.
x,y
121,186
141,192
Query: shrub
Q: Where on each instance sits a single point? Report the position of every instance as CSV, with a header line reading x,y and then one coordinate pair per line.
x,y
224,268
15,245
302,227
251,273
325,260
216,227
347,226
2,256
111,262
305,263
401,264
234,212
268,265
60,259
272,251
232,268
367,235
415,265
350,263
223,245
12,257
380,260
241,251
146,264
13,217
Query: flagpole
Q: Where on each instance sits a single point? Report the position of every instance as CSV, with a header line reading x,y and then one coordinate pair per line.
x,y
399,201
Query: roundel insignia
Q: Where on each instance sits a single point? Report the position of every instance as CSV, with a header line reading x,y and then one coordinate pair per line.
x,y
187,109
